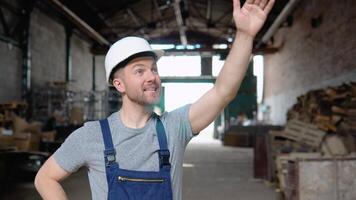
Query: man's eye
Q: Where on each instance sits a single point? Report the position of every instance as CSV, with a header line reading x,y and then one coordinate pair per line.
x,y
139,71
154,70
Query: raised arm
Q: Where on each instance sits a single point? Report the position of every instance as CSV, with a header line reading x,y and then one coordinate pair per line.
x,y
248,21
48,179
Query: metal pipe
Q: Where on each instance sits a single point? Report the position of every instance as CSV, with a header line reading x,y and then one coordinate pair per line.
x,y
279,20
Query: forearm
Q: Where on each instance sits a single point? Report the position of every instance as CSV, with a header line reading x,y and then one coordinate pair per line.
x,y
49,188
235,66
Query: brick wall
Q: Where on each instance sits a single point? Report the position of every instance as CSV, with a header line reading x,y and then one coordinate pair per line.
x,y
48,61
48,50
10,72
311,58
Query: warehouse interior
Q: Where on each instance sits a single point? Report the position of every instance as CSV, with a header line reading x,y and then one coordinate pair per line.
x,y
290,132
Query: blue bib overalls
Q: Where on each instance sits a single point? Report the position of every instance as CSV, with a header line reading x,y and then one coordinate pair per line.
x,y
137,185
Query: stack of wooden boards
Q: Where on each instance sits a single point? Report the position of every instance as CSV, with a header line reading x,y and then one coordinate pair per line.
x,y
332,110
18,134
316,150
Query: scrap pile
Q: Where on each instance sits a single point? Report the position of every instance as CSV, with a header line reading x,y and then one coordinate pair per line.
x,y
321,125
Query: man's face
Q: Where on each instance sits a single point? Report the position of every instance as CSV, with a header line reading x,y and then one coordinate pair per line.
x,y
140,81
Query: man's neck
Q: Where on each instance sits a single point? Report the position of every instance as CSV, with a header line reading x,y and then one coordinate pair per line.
x,y
135,115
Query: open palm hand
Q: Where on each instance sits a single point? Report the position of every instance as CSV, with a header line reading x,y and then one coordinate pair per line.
x,y
250,18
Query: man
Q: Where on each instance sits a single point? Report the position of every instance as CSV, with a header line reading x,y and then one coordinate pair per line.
x,y
135,154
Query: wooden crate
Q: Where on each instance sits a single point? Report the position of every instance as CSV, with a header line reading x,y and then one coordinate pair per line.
x,y
282,161
321,178
303,132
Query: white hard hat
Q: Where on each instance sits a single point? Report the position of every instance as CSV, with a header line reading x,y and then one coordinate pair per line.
x,y
126,49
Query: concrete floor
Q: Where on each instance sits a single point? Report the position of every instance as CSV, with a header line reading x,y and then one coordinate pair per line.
x,y
211,171
215,172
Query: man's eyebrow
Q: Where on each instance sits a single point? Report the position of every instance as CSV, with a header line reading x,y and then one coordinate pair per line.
x,y
142,65
138,65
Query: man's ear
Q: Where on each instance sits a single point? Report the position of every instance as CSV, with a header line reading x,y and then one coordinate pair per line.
x,y
118,83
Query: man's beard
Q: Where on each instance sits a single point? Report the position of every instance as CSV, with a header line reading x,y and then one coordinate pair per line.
x,y
141,99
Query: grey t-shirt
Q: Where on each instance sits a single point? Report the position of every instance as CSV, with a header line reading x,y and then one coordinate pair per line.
x,y
136,149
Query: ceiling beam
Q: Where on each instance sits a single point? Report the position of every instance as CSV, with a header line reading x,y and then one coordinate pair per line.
x,y
80,23
157,8
4,24
208,11
107,23
137,22
10,8
197,11
182,28
229,12
116,9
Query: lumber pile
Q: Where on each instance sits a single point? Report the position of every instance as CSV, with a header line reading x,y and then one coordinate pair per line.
x,y
332,110
321,125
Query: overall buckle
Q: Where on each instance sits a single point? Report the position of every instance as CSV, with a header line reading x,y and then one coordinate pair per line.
x,y
110,156
164,158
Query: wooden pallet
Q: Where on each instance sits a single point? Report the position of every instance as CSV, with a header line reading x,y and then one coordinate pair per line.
x,y
303,132
13,105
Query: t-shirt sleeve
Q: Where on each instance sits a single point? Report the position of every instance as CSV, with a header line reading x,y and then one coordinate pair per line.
x,y
178,120
70,155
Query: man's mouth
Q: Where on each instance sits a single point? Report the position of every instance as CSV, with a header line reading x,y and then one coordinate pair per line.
x,y
150,89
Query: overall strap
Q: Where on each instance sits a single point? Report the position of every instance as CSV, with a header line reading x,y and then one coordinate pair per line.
x,y
109,152
163,152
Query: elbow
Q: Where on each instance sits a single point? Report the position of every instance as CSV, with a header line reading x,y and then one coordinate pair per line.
x,y
226,94
37,181
230,96
40,180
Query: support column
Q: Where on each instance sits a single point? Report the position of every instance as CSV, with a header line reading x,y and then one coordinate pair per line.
x,y
206,65
94,81
68,54
26,49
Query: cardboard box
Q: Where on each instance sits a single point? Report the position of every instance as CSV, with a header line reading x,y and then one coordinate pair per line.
x,y
6,140
76,116
48,136
21,125
27,141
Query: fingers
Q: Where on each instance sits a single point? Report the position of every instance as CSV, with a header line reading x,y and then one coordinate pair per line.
x,y
269,6
236,4
257,2
262,4
248,7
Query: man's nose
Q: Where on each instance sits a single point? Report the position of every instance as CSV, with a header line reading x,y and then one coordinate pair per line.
x,y
151,75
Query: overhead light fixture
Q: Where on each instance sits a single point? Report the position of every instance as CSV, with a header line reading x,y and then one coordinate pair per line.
x,y
162,46
190,47
180,47
219,46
